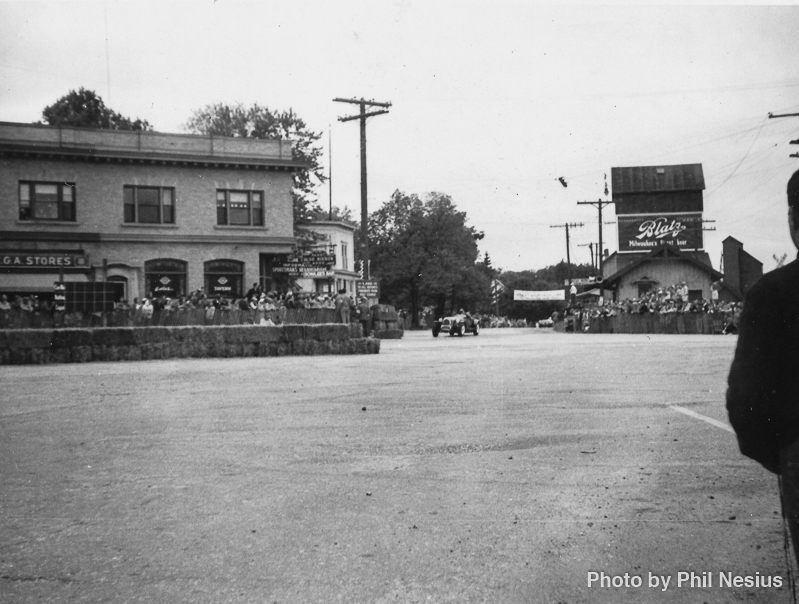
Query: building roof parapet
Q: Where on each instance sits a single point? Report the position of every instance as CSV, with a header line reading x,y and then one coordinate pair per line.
x,y
657,179
146,145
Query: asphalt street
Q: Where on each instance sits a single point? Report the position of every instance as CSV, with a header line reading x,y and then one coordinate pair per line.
x,y
511,467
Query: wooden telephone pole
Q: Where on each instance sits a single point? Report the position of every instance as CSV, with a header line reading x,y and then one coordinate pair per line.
x,y
568,256
364,210
599,204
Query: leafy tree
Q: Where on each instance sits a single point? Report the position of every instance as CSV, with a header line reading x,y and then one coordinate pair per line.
x,y
257,121
86,109
424,253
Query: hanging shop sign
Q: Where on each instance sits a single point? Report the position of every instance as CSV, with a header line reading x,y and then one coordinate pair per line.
x,y
45,261
368,288
643,232
306,264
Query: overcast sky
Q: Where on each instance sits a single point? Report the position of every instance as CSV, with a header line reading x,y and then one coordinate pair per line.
x,y
491,101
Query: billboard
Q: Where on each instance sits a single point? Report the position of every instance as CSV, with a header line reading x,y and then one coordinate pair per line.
x,y
644,232
538,296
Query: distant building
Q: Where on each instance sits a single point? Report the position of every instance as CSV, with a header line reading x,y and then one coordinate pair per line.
x,y
338,238
158,213
659,215
741,270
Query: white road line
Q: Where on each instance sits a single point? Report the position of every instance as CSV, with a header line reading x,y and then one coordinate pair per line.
x,y
704,418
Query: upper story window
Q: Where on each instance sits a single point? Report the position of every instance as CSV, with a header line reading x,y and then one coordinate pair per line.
x,y
345,260
239,208
149,205
47,201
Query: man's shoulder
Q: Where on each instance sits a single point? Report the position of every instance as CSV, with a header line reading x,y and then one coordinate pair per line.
x,y
784,278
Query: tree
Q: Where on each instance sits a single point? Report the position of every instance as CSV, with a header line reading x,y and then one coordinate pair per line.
x,y
336,213
85,109
261,122
546,279
424,253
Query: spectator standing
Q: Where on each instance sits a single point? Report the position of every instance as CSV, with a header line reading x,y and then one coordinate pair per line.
x,y
343,303
364,316
763,384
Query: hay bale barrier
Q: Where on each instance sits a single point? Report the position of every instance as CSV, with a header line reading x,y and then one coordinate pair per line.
x,y
79,345
386,322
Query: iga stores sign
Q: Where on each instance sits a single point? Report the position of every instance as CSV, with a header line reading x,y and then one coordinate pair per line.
x,y
644,232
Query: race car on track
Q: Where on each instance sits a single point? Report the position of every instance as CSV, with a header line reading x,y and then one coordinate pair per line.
x,y
456,325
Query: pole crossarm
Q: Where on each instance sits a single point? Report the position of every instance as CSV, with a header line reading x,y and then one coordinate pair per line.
x,y
359,116
362,101
793,142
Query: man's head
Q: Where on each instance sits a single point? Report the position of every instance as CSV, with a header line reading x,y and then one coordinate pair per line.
x,y
793,207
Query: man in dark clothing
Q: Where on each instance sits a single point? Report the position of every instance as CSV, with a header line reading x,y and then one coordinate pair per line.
x,y
763,392
365,316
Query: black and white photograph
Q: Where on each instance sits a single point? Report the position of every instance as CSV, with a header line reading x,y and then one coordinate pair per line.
x,y
402,301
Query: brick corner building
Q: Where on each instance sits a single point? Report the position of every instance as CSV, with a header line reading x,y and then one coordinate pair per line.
x,y
161,214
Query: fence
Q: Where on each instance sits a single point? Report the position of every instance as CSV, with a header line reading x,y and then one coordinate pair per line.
x,y
19,319
671,323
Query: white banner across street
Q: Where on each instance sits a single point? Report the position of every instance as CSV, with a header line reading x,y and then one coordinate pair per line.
x,y
537,296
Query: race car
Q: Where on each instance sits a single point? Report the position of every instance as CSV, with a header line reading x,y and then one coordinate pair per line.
x,y
456,325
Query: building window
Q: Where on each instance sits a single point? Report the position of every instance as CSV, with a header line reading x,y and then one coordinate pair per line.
x,y
47,201
224,278
165,278
149,205
345,261
239,208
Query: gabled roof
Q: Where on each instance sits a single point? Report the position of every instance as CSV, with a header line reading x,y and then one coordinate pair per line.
x,y
662,252
657,179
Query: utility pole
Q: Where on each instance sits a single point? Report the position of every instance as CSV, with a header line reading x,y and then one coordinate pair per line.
x,y
568,256
599,204
590,246
793,142
364,211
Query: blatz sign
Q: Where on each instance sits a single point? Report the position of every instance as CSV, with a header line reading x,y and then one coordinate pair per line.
x,y
641,233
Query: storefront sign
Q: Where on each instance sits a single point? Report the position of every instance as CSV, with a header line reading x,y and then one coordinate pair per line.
x,y
318,274
367,288
223,285
43,261
303,265
164,286
538,296
640,233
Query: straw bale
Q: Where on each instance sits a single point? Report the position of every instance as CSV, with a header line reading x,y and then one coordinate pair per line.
x,y
81,354
29,338
67,338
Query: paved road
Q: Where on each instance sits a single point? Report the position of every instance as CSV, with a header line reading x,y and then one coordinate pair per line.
x,y
502,468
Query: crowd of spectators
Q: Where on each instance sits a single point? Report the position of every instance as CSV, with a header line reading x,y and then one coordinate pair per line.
x,y
664,301
263,307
